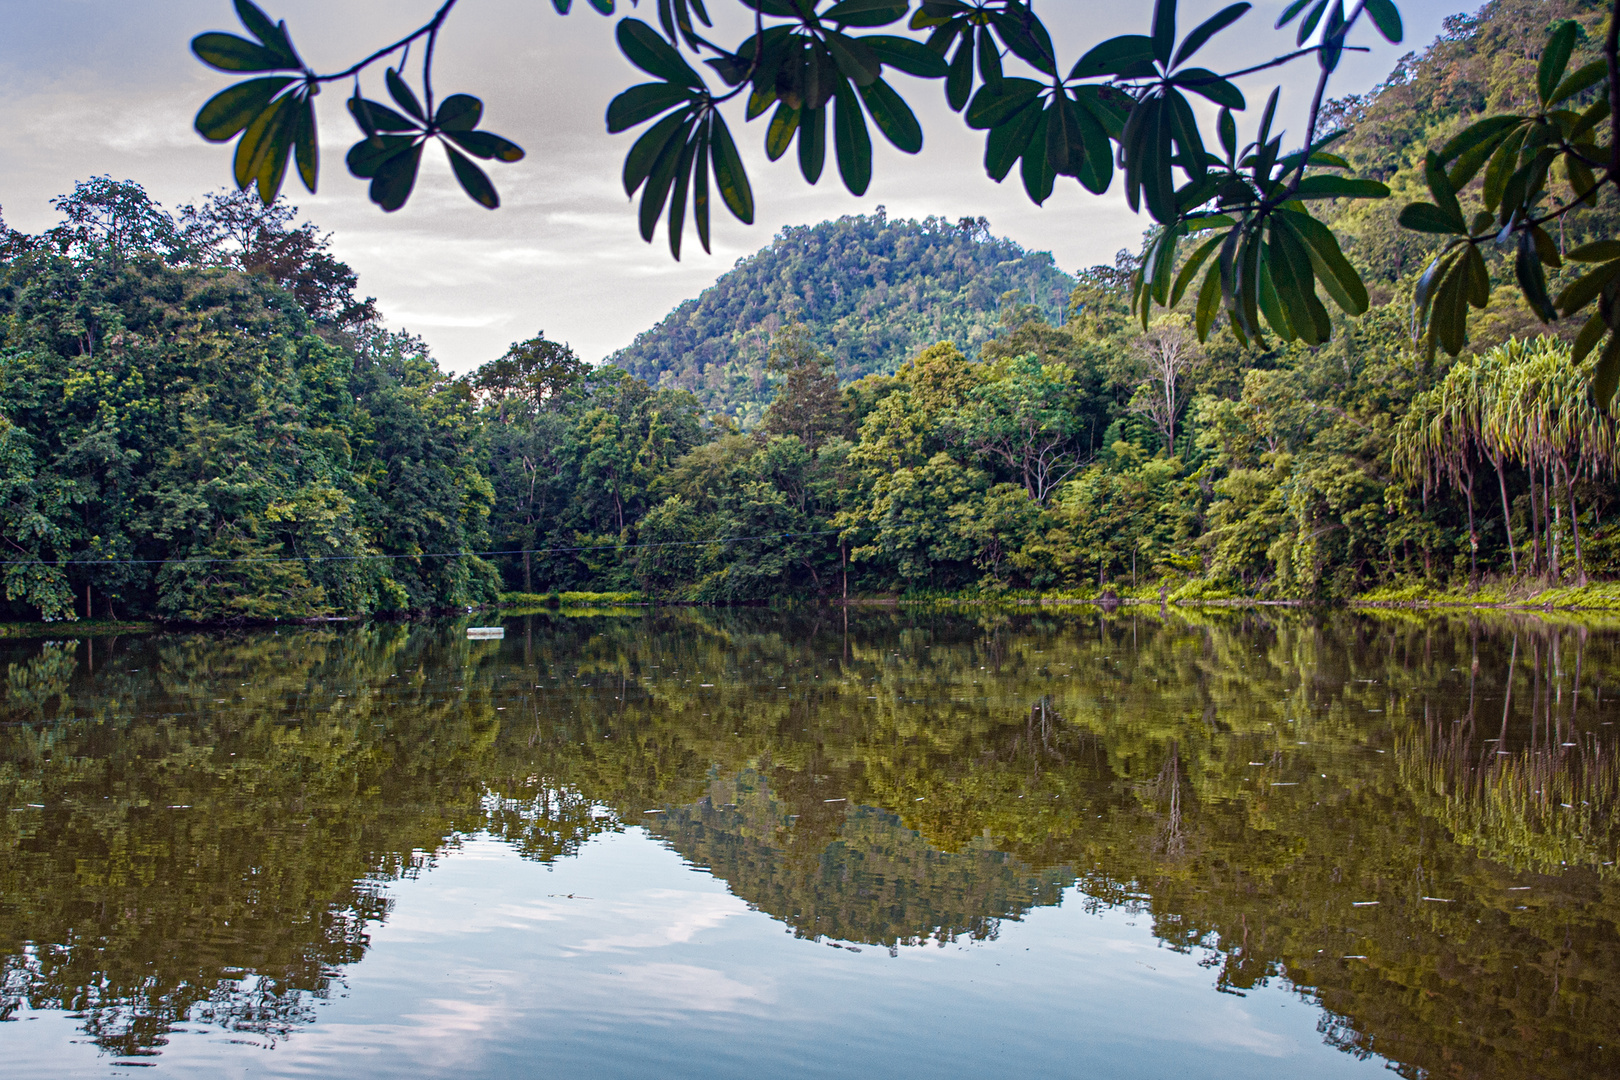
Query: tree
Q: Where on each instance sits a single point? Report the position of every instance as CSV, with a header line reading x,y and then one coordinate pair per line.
x,y
115,216
234,228
807,403
537,373
1168,352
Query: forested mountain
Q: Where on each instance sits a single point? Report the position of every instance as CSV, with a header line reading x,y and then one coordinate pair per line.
x,y
871,289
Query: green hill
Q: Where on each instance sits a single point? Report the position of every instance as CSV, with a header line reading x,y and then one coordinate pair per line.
x,y
873,291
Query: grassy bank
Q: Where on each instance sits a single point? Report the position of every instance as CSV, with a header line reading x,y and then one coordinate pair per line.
x,y
76,629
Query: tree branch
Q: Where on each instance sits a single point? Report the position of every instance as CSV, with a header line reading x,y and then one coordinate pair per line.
x,y
431,29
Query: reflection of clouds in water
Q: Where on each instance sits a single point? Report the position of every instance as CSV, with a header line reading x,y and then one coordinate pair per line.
x,y
663,917
453,1019
1232,1026
685,988
429,924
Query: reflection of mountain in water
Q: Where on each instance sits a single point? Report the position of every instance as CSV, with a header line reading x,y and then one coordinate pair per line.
x,y
866,878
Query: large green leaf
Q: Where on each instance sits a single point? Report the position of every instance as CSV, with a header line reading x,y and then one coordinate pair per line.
x,y
1130,55
227,52
401,92
992,105
655,192
1029,43
729,174
851,140
487,145
473,180
677,201
1583,290
866,12
1012,139
1426,217
1065,145
225,114
374,116
1387,19
459,112
893,116
273,35
858,64
1207,84
700,187
1587,75
1587,339
1208,29
1328,186
812,144
779,135
644,155
1338,276
1555,58
1097,170
1164,30
641,103
1034,170
368,155
959,78
395,178
267,140
911,57
645,48
306,147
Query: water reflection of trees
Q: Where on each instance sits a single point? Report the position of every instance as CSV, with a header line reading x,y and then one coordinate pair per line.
x,y
218,817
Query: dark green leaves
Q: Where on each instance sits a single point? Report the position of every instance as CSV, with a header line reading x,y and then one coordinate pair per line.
x,y
1128,56
675,159
232,109
1387,19
1555,58
911,57
1328,186
390,154
866,12
641,103
1206,30
1517,155
643,47
1455,280
272,51
273,115
273,118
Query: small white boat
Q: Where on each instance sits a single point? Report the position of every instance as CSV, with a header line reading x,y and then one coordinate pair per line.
x,y
484,632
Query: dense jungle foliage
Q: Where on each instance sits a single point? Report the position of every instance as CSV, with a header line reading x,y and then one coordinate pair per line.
x,y
873,291
1250,784
201,420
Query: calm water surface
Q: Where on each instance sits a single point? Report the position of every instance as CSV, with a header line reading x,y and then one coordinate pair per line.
x,y
751,843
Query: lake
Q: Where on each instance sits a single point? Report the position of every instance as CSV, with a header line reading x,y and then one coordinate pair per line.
x,y
816,843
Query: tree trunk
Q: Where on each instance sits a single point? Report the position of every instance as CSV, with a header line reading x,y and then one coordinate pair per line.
x,y
528,580
1507,514
1473,534
1554,522
1535,523
1574,527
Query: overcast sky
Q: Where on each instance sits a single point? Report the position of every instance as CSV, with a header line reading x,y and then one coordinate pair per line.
x,y
110,86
